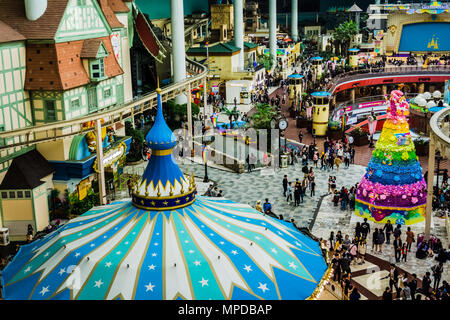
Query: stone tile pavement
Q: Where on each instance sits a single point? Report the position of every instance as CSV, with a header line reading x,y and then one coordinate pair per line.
x,y
330,218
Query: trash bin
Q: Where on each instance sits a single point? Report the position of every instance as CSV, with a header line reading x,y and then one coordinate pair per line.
x,y
284,161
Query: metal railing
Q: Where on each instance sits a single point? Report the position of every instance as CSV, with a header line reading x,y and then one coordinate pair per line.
x,y
386,71
67,128
437,123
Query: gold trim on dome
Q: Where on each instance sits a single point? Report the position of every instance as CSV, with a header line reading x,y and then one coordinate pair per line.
x,y
165,209
168,197
162,152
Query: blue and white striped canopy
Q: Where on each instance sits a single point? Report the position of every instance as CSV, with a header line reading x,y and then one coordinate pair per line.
x,y
212,249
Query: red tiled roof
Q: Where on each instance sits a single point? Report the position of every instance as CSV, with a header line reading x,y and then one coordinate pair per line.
x,y
60,67
12,12
8,34
109,14
118,6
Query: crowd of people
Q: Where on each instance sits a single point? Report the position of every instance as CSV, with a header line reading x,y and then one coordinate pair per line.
x,y
343,251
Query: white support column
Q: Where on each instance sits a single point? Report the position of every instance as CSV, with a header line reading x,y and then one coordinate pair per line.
x,y
294,21
430,182
100,168
273,30
205,98
189,110
178,45
239,30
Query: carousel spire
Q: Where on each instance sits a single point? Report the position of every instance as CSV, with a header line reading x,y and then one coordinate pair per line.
x,y
162,183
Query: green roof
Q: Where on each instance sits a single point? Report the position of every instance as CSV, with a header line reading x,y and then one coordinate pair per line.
x,y
217,48
250,45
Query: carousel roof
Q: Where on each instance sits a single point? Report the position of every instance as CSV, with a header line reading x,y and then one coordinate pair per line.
x,y
203,248
213,249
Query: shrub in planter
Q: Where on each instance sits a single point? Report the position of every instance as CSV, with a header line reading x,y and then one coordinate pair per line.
x,y
360,137
421,147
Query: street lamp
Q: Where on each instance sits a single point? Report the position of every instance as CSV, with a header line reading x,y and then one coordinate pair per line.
x,y
205,142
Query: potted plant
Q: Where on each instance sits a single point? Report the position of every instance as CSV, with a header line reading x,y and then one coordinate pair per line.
x,y
360,137
334,131
421,146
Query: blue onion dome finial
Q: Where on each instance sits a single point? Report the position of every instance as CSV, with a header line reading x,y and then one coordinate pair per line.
x,y
162,186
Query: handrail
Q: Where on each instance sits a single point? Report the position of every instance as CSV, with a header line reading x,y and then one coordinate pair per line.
x,y
386,71
110,115
436,125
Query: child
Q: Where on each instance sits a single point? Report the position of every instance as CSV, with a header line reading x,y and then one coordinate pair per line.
x,y
404,252
336,198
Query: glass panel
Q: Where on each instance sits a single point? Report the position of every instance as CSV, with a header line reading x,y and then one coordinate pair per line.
x,y
5,195
50,110
12,195
19,194
27,194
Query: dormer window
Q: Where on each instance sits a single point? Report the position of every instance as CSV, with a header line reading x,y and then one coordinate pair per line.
x,y
95,51
97,69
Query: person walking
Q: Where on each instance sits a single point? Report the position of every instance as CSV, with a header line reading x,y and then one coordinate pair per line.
x,y
404,252
409,238
303,188
397,232
285,184
312,185
393,278
289,192
365,228
332,242
375,240
381,239
130,186
426,284
437,273
330,182
297,191
300,136
413,286
322,161
397,248
336,265
362,247
388,229
358,230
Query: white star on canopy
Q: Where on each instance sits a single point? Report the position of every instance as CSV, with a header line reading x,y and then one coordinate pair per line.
x,y
248,268
204,282
150,287
44,290
263,287
98,283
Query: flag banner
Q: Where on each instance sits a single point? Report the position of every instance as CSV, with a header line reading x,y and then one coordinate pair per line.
x,y
205,153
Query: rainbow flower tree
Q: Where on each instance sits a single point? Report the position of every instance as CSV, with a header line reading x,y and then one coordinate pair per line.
x,y
393,187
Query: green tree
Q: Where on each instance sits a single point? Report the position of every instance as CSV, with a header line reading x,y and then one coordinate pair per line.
x,y
262,117
266,60
343,35
176,113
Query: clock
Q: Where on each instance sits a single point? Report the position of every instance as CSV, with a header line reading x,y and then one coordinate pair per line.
x,y
282,124
273,123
